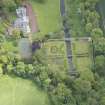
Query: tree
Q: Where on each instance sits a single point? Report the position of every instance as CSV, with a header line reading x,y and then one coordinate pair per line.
x,y
100,65
62,95
87,75
2,38
29,69
82,89
20,69
16,33
4,59
96,33
102,100
18,2
88,27
1,69
100,46
10,67
8,5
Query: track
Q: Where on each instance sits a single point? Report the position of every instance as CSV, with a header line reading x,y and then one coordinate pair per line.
x,y
67,36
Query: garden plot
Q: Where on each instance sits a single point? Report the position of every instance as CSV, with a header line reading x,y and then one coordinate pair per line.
x,y
82,54
55,51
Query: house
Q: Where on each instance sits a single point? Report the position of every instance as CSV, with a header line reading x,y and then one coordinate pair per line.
x,y
22,21
21,12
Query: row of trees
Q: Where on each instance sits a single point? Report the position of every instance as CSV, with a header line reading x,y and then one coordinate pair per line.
x,y
85,16
88,89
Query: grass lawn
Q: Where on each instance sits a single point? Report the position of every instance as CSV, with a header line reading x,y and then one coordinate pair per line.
x,y
83,63
75,18
17,91
80,47
48,15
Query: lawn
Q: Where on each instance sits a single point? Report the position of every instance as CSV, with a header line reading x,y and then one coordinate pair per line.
x,y
82,54
81,47
75,19
48,16
17,91
83,63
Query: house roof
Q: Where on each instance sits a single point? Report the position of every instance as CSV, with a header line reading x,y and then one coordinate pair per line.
x,y
22,22
21,11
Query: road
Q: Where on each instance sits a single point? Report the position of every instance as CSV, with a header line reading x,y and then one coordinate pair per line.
x,y
67,35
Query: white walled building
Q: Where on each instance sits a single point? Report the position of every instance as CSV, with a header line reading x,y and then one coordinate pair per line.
x,y
22,22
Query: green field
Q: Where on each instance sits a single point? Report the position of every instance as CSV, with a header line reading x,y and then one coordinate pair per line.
x,y
75,19
80,46
48,16
17,91
82,54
